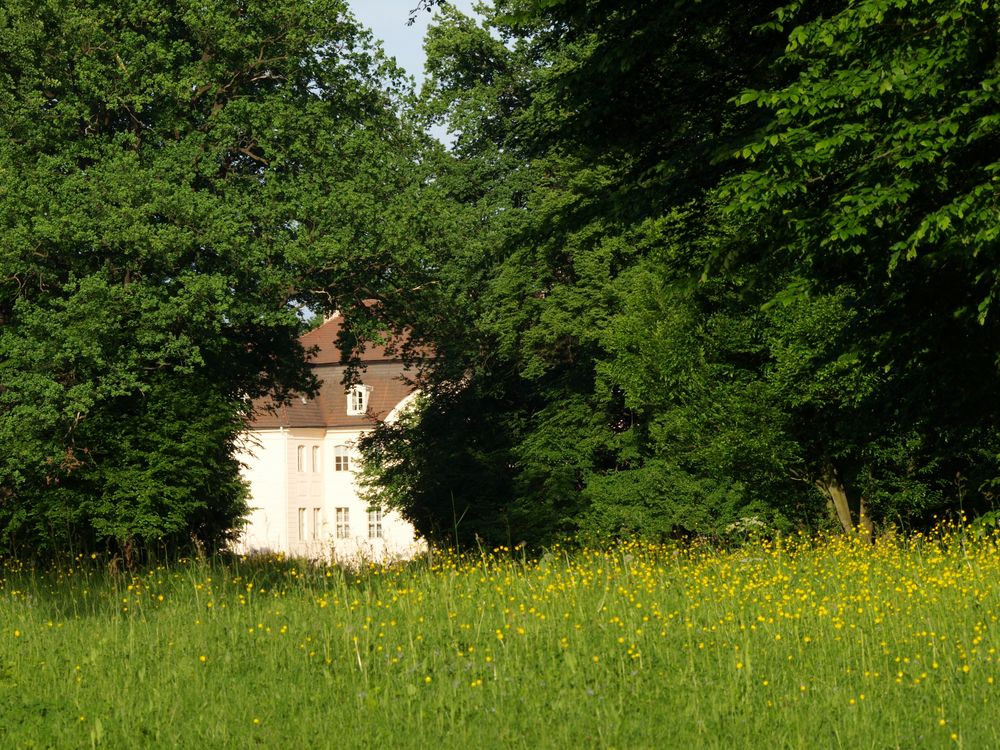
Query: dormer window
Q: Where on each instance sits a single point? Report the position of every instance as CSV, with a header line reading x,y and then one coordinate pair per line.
x,y
357,400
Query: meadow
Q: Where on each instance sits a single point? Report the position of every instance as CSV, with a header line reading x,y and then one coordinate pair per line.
x,y
794,642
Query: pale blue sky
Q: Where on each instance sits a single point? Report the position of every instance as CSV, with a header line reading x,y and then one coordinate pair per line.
x,y
387,20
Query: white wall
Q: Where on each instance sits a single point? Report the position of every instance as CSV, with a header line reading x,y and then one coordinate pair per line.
x,y
263,454
398,538
295,511
304,511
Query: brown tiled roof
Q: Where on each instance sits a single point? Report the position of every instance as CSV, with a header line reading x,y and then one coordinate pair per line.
x,y
385,377
325,338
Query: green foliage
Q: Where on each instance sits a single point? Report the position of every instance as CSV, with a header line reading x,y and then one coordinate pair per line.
x,y
720,261
562,172
874,179
709,440
175,180
883,140
431,453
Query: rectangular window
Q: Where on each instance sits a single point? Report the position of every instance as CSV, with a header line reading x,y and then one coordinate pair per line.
x,y
316,523
375,524
302,523
343,528
315,457
357,400
341,458
300,458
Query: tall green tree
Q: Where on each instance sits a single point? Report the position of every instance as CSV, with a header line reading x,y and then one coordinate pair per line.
x,y
176,180
873,186
728,261
587,135
448,465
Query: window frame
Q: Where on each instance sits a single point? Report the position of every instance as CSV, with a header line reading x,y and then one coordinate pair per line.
x,y
342,458
342,527
357,400
375,529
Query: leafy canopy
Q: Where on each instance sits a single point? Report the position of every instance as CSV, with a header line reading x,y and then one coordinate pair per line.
x,y
177,179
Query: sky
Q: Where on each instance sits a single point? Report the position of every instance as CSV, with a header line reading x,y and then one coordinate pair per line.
x,y
387,20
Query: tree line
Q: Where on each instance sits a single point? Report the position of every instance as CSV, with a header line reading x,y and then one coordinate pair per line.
x,y
685,268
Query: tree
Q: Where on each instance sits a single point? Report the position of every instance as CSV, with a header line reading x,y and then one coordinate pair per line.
x,y
177,179
873,184
725,261
563,170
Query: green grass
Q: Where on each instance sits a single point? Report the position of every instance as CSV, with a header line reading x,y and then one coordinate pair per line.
x,y
826,643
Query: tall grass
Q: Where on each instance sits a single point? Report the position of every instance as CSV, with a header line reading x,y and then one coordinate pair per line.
x,y
797,643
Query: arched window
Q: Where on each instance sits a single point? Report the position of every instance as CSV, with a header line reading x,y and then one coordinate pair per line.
x,y
315,458
300,458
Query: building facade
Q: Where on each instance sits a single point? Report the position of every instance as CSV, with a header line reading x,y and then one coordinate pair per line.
x,y
300,461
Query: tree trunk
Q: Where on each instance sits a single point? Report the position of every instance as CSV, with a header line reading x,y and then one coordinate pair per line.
x,y
865,522
830,485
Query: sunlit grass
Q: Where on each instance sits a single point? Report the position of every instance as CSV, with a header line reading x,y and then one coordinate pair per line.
x,y
789,643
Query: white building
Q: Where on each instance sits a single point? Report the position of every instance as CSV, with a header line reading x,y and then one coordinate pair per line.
x,y
300,461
